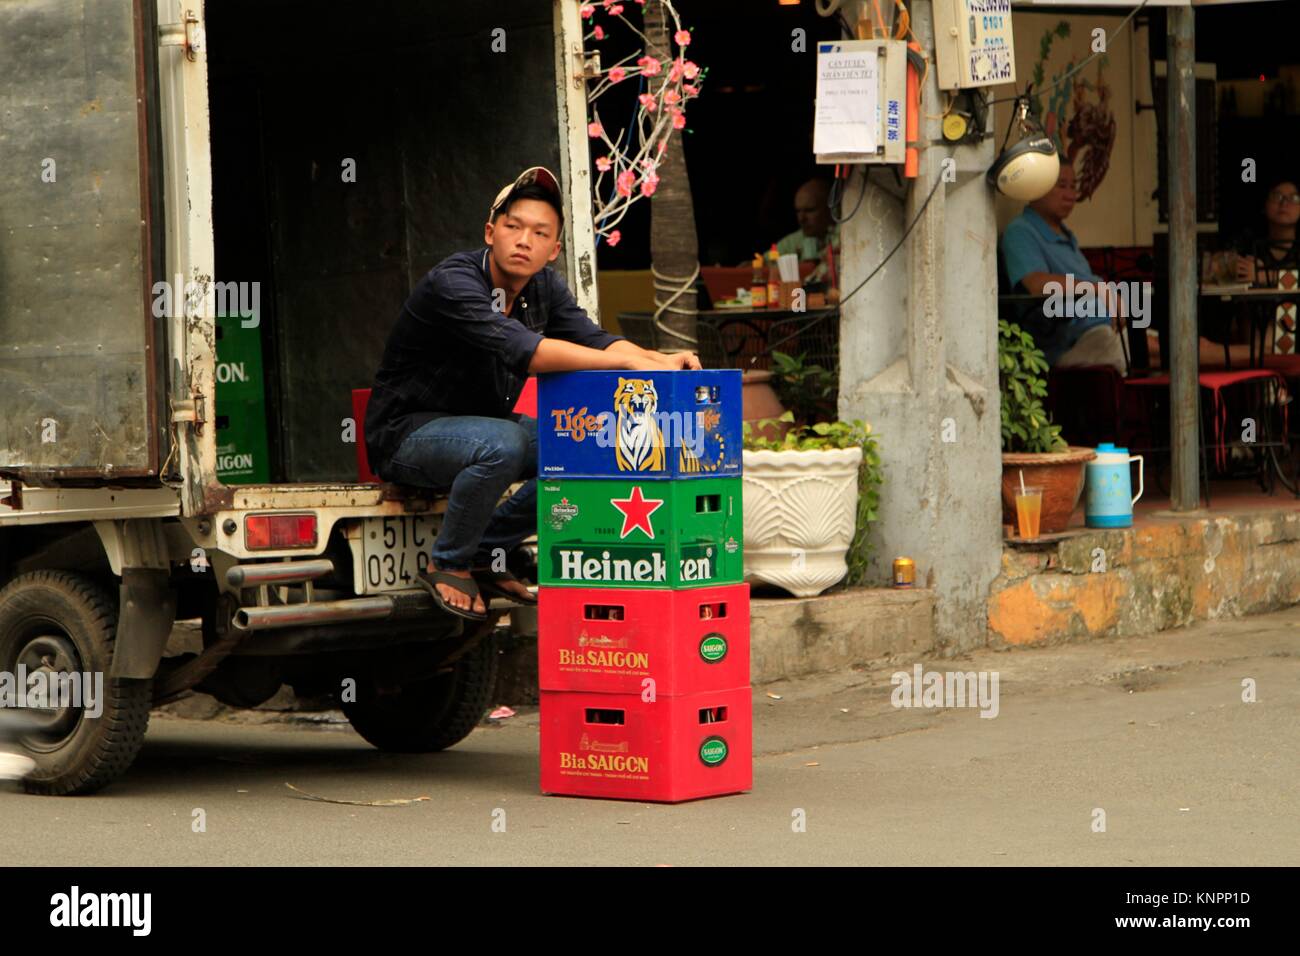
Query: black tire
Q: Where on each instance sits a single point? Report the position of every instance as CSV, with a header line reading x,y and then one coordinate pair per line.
x,y
432,714
74,753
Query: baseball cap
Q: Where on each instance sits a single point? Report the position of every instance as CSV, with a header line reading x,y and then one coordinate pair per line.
x,y
533,174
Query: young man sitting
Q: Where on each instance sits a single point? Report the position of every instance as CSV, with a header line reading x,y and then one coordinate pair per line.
x,y
440,414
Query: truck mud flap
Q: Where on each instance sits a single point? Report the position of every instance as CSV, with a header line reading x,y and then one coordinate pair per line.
x,y
146,611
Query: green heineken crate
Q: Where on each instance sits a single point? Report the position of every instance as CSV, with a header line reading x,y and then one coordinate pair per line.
x,y
242,453
239,359
639,534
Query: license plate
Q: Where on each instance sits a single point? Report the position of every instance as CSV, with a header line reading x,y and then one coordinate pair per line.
x,y
394,549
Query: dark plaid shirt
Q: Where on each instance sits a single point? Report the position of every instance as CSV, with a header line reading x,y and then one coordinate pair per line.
x,y
451,353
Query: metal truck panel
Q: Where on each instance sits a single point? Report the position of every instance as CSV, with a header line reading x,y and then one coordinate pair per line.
x,y
77,367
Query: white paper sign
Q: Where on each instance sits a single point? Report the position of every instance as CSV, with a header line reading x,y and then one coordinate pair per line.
x,y
848,105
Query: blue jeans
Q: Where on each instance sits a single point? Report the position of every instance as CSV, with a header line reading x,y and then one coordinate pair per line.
x,y
474,460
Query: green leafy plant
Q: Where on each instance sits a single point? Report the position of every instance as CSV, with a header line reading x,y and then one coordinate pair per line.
x,y
1026,426
822,436
806,389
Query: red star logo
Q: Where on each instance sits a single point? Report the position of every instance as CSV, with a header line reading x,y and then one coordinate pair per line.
x,y
636,512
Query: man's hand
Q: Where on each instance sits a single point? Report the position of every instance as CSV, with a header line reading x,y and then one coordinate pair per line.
x,y
651,361
1110,300
643,363
679,361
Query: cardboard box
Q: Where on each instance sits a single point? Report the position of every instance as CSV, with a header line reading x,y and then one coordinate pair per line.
x,y
639,534
623,747
645,424
614,641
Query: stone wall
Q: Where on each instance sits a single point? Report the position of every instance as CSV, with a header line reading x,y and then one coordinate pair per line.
x,y
1166,573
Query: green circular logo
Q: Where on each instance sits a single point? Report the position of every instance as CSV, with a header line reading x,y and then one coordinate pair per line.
x,y
713,751
713,648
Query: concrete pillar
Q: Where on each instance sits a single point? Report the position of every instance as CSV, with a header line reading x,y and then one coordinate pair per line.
x,y
918,360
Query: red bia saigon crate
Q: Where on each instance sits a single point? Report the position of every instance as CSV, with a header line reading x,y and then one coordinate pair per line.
x,y
614,640
666,750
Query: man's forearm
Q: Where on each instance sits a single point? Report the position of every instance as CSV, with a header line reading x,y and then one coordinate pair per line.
x,y
557,355
677,360
626,347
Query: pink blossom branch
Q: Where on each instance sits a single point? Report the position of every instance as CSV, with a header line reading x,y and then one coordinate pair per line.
x,y
660,111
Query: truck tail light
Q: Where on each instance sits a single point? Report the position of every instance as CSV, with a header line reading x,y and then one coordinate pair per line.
x,y
268,532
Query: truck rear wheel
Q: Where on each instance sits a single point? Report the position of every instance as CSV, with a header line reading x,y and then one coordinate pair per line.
x,y
57,622
423,716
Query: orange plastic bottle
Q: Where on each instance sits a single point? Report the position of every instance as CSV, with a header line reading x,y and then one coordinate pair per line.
x,y
758,284
773,279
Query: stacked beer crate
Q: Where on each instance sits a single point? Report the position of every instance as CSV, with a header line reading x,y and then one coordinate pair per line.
x,y
643,629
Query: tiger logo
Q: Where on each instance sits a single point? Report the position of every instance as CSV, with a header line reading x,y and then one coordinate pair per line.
x,y
640,443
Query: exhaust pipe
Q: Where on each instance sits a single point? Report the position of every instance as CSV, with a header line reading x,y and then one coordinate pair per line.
x,y
280,572
315,612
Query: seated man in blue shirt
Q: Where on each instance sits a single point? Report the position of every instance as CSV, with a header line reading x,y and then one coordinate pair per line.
x,y
1039,250
1042,256
440,414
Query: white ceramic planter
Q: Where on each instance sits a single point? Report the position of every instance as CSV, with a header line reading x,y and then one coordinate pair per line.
x,y
800,511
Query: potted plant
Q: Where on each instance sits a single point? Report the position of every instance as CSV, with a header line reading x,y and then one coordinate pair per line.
x,y
807,390
1031,444
810,498
760,403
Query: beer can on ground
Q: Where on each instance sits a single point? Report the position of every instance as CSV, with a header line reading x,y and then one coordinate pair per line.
x,y
904,572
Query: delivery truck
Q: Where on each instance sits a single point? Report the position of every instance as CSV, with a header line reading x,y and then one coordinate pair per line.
x,y
210,215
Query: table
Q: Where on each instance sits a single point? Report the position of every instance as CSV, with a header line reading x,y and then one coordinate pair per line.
x,y
745,338
1247,303
1258,307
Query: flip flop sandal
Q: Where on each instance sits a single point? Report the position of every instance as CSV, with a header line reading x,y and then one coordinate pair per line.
x,y
489,584
428,580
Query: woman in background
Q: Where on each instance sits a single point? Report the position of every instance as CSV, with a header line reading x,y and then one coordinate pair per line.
x,y
1273,260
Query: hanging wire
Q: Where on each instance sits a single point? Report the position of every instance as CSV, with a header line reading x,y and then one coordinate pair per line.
x,y
837,193
856,289
1118,30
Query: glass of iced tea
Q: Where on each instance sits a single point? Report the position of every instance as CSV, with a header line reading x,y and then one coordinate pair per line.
x,y
1029,511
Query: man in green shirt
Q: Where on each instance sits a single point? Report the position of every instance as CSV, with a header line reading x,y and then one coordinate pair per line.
x,y
815,228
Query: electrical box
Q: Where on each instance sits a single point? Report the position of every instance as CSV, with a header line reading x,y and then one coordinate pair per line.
x,y
973,43
886,61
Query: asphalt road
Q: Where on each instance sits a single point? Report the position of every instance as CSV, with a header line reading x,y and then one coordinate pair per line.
x,y
1153,731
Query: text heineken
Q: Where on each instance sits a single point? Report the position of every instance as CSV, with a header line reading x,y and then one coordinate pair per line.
x,y
576,566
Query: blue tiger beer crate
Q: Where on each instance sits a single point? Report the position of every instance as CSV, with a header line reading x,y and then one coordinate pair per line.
x,y
666,425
